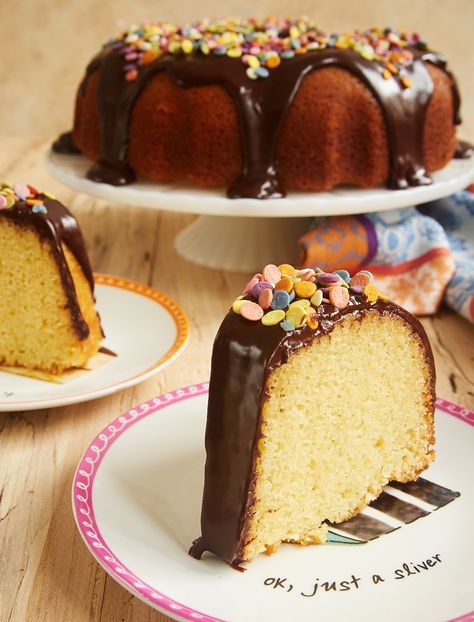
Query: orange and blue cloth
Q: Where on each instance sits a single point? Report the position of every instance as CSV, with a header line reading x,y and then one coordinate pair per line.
x,y
420,256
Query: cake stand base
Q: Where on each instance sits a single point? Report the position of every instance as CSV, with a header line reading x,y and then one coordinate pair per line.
x,y
241,244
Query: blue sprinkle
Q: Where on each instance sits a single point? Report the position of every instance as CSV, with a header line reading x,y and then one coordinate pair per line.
x,y
345,276
39,209
262,72
287,54
280,300
287,325
292,295
295,44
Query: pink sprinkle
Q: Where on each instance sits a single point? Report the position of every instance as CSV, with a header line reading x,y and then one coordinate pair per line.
x,y
21,189
250,285
265,298
251,311
131,75
271,273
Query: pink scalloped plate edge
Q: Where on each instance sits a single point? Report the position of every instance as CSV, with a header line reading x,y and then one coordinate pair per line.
x,y
84,513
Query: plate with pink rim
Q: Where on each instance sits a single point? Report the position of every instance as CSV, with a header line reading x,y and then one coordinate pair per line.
x,y
136,499
142,348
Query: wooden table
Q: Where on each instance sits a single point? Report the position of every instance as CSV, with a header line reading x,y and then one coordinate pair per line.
x,y
46,571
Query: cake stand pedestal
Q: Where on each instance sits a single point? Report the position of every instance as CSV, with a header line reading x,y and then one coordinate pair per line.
x,y
244,234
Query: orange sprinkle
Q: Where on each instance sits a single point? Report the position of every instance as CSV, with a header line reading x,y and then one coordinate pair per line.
x,y
285,284
304,289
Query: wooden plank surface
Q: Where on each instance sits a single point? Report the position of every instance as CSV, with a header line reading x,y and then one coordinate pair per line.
x,y
46,571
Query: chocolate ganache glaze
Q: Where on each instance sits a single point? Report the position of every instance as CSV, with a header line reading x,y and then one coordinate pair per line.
x,y
244,355
58,226
261,106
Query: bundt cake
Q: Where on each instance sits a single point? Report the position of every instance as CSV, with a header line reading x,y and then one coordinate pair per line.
x,y
321,392
49,322
262,106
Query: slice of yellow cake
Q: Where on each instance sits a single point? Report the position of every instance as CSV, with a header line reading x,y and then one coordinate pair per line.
x,y
321,392
49,321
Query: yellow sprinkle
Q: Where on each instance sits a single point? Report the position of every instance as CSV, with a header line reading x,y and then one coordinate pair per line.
x,y
234,52
49,195
406,82
386,74
238,302
294,32
312,319
371,292
295,315
252,61
187,46
304,289
304,302
287,269
273,317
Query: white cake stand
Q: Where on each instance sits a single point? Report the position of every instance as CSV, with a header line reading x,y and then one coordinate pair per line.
x,y
259,232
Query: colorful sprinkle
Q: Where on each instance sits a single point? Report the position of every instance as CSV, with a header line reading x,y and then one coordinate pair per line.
x,y
23,195
271,273
251,311
285,284
273,317
262,45
281,295
304,289
339,296
265,299
280,300
317,298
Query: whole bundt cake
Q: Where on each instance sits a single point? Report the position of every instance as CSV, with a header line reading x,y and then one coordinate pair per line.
x,y
321,392
260,107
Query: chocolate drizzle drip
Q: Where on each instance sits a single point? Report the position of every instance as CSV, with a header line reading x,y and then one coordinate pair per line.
x,y
261,106
58,226
464,150
65,144
244,355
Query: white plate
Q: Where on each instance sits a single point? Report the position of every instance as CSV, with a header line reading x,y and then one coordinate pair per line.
x,y
145,328
71,171
137,496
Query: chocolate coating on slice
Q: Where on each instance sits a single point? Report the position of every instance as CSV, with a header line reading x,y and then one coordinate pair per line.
x,y
244,355
58,226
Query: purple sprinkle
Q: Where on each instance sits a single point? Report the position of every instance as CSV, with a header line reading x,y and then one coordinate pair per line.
x,y
129,67
325,291
326,278
356,289
259,287
131,56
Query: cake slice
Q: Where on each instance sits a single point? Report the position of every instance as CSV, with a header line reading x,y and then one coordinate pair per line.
x,y
49,321
321,392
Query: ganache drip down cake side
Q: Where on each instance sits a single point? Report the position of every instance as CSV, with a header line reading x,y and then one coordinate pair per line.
x,y
259,107
49,322
322,391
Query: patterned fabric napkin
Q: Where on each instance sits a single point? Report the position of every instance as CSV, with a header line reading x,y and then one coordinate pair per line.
x,y
420,256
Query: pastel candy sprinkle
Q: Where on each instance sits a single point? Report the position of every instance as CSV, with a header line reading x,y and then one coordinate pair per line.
x,y
295,315
287,269
265,298
3,202
284,296
271,273
251,311
327,278
304,302
259,287
344,274
238,302
317,298
273,317
360,279
285,284
250,285
287,325
304,289
39,209
280,300
339,296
